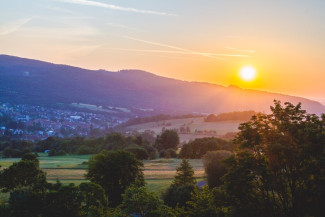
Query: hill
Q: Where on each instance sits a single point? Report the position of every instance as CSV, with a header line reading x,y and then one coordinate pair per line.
x,y
27,81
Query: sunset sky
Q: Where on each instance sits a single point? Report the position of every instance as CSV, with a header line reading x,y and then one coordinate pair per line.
x,y
206,40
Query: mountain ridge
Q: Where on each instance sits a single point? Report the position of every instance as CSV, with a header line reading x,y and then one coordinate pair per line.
x,y
38,82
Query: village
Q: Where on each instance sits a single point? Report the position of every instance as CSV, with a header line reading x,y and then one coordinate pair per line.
x,y
37,123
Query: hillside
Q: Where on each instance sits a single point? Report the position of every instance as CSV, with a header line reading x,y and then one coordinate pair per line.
x,y
189,128
29,81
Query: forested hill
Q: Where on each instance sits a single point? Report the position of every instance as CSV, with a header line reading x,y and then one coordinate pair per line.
x,y
27,81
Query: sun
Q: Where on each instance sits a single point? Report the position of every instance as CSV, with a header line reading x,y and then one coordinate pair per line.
x,y
247,73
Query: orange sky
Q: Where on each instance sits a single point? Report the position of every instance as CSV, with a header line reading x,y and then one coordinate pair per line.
x,y
185,39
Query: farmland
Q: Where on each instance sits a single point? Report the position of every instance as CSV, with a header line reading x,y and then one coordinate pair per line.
x,y
197,126
71,169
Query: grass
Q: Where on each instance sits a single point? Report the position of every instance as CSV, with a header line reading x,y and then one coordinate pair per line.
x,y
158,173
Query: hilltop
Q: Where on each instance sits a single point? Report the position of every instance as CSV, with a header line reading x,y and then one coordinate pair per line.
x,y
28,81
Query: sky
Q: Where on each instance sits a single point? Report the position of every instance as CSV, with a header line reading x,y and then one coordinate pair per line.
x,y
208,41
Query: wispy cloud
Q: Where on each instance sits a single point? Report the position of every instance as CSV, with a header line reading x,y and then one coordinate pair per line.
x,y
61,10
240,50
14,26
116,7
180,50
124,27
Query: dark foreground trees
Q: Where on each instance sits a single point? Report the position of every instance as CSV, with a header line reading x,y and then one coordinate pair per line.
x,y
24,174
214,167
115,171
182,186
279,169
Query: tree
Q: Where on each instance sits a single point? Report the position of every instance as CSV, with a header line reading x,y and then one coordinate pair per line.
x,y
184,174
279,169
182,186
25,174
214,167
197,148
203,203
139,201
93,200
64,201
115,171
168,139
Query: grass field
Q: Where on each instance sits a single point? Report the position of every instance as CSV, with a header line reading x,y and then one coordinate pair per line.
x,y
158,173
194,124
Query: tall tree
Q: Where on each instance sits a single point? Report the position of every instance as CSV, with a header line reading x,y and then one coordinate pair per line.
x,y
279,169
184,174
115,171
182,186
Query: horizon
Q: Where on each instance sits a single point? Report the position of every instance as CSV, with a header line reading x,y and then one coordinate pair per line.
x,y
185,40
320,100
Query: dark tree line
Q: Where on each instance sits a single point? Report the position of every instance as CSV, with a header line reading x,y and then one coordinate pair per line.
x,y
230,116
197,148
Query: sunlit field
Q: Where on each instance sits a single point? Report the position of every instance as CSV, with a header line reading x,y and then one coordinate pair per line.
x,y
158,173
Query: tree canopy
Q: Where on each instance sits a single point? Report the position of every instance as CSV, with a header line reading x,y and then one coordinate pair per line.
x,y
168,139
279,168
24,174
197,148
115,171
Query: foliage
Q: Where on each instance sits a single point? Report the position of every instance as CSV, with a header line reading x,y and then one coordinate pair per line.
x,y
184,174
197,148
279,170
203,203
141,202
139,152
167,140
169,153
214,167
231,116
160,117
182,186
178,195
115,171
23,174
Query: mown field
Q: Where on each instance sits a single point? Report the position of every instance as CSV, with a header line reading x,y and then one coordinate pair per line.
x,y
158,173
194,124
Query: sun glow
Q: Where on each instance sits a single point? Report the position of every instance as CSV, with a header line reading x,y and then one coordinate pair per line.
x,y
247,73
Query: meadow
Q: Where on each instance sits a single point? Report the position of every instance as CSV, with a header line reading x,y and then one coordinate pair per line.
x,y
194,124
158,173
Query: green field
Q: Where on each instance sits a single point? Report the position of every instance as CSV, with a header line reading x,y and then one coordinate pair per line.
x,y
158,173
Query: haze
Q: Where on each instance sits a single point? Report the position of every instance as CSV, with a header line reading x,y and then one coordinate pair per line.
x,y
185,39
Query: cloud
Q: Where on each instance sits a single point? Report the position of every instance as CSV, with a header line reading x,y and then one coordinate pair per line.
x,y
14,26
217,56
116,7
183,52
240,50
124,27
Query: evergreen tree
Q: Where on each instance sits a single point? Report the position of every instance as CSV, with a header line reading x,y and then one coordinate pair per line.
x,y
184,174
182,187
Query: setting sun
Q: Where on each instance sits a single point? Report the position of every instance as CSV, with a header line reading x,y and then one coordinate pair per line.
x,y
247,73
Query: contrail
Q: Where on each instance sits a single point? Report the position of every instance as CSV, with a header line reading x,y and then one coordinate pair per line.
x,y
13,27
116,7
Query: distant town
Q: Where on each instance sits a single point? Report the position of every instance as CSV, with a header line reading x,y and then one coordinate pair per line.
x,y
33,123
